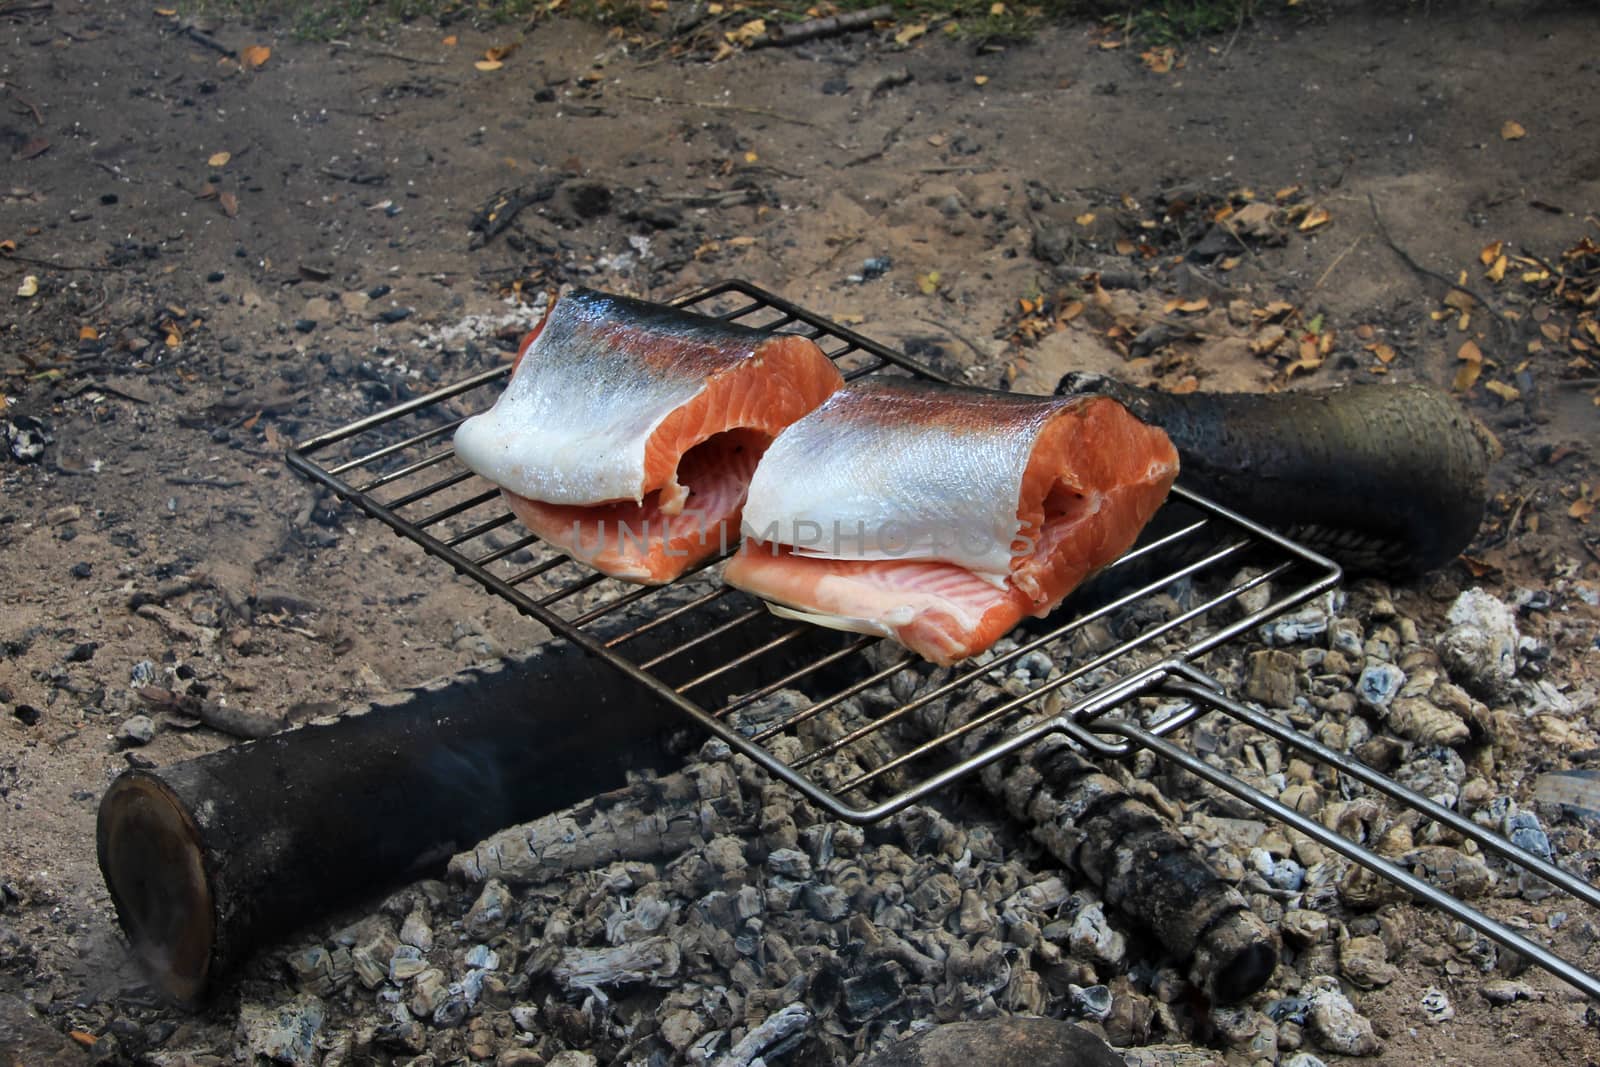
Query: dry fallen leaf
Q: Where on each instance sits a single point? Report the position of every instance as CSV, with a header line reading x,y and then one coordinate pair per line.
x,y
1512,131
748,32
166,12
1498,271
1186,385
751,157
1159,60
88,333
928,283
1507,393
997,8
1469,352
29,286
1086,218
255,57
1315,217
219,159
500,52
910,33
980,79
1581,509
1466,376
488,64
34,148
1385,353
1490,252
8,245
450,41
230,204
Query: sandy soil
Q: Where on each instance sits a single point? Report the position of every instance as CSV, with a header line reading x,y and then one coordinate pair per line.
x,y
194,314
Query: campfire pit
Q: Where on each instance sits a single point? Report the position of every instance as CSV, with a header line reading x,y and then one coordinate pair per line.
x,y
859,729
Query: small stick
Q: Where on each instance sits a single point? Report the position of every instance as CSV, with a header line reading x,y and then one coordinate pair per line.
x,y
713,105
831,26
11,257
1337,260
199,36
386,53
211,483
1383,231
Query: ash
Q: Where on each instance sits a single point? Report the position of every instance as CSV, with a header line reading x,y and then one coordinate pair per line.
x,y
713,916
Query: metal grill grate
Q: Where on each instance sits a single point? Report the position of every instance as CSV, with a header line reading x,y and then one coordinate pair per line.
x,y
1200,576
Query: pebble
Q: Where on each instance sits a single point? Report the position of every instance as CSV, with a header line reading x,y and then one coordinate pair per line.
x,y
572,1058
304,325
27,714
1501,991
875,267
393,315
137,730
82,570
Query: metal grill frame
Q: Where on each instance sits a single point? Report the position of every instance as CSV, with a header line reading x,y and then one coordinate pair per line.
x,y
1242,536
1100,720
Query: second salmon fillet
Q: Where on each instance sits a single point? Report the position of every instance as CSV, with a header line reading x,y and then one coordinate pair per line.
x,y
939,516
628,432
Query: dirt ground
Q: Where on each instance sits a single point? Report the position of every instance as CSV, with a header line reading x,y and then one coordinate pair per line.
x,y
228,257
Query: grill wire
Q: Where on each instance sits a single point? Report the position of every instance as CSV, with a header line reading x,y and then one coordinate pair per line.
x,y
1200,576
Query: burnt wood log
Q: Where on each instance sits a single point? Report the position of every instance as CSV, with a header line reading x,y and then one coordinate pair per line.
x,y
1391,479
208,858
1124,848
1141,865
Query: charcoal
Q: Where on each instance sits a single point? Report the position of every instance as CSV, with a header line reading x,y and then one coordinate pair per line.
x,y
1003,1042
655,960
1364,962
1092,1002
490,912
1335,1023
285,1034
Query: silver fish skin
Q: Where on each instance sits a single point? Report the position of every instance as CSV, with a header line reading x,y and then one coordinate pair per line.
x,y
603,373
900,469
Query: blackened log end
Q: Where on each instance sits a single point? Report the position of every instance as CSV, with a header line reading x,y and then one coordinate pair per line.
x,y
151,857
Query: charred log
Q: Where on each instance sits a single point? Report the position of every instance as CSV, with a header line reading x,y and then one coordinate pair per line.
x,y
207,859
1391,479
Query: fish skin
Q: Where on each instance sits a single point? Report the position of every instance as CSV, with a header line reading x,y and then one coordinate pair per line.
x,y
602,369
891,466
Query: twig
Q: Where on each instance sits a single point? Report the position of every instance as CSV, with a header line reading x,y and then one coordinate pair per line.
x,y
714,105
24,101
1337,260
1236,31
209,483
958,335
889,139
199,36
12,257
386,53
831,26
1383,231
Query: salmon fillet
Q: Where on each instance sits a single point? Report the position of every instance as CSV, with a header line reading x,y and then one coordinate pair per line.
x,y
628,432
940,517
